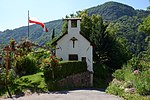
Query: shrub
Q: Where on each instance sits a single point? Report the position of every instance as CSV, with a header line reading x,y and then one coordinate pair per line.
x,y
50,68
142,83
102,75
10,79
47,73
54,72
101,70
64,69
135,74
72,67
2,76
114,89
128,84
119,74
25,66
128,75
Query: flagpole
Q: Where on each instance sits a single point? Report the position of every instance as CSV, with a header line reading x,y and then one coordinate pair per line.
x,y
28,24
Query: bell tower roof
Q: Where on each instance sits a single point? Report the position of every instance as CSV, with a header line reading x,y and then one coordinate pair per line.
x,y
72,19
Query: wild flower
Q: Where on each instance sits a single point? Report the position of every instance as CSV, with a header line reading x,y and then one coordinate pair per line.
x,y
136,72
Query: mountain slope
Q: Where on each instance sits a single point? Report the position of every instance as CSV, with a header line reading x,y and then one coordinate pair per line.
x,y
36,33
112,10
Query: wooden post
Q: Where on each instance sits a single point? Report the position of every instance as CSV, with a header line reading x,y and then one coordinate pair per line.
x,y
6,64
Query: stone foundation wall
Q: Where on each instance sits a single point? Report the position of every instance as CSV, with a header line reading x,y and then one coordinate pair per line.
x,y
77,80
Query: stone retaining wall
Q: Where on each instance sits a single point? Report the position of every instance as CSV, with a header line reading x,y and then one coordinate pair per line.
x,y
77,80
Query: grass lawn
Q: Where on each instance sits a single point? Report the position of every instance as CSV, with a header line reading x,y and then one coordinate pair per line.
x,y
34,82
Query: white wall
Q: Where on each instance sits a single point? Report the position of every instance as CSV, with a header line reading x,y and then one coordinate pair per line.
x,y
82,46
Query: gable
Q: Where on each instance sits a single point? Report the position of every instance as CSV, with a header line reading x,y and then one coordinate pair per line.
x,y
55,42
81,34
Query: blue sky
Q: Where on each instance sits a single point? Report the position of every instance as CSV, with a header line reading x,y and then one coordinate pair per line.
x,y
14,12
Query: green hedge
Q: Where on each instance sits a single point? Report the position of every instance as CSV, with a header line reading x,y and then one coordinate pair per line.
x,y
65,69
72,67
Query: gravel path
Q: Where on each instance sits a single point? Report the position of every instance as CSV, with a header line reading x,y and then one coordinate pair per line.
x,y
70,95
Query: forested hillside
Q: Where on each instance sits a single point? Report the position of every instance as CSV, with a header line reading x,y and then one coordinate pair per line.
x,y
36,33
112,10
123,16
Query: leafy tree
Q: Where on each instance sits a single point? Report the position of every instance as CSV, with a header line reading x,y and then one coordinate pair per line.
x,y
64,26
145,26
148,8
128,30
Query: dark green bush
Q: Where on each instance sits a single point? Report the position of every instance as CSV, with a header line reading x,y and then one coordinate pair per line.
x,y
47,73
64,69
25,66
72,67
101,70
2,76
102,75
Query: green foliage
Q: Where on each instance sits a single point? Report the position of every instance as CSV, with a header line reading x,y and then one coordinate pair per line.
x,y
102,75
34,82
128,29
142,83
10,79
117,10
108,48
25,66
101,71
50,68
119,74
128,96
38,56
72,67
115,89
53,73
64,27
2,76
48,73
11,76
148,8
145,26
64,69
135,74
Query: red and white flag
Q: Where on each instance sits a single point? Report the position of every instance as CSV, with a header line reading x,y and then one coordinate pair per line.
x,y
36,21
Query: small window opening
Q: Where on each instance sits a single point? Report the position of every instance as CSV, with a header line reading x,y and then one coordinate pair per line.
x,y
73,57
84,59
73,23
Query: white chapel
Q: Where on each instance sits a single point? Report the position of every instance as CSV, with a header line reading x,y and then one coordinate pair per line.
x,y
74,46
